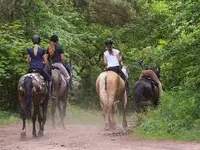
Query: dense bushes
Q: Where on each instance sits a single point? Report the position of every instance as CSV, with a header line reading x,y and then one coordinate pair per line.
x,y
176,117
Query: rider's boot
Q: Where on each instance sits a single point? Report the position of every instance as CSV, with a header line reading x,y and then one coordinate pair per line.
x,y
49,85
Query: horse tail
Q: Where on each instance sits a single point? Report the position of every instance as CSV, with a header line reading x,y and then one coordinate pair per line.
x,y
28,85
103,88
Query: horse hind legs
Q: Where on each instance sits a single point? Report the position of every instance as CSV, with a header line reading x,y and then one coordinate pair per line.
x,y
124,121
23,115
112,119
107,121
62,111
34,126
53,110
23,133
41,124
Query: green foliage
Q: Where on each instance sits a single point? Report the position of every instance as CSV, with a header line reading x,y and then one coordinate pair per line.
x,y
7,118
12,46
160,32
176,118
12,62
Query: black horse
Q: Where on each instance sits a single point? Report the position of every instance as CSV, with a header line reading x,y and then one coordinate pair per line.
x,y
146,92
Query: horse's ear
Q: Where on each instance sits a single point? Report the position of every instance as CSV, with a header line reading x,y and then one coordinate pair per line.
x,y
157,70
127,66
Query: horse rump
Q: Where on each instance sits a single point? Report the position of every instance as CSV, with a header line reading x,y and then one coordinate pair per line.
x,y
144,93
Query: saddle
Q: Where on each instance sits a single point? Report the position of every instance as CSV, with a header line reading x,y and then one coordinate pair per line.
x,y
53,67
150,80
38,81
67,68
116,71
34,70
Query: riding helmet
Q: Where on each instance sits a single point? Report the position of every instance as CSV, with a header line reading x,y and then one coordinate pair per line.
x,y
36,39
54,38
108,41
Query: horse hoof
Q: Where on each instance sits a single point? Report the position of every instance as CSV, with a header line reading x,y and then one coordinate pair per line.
x,y
113,126
40,133
23,135
34,135
106,127
124,126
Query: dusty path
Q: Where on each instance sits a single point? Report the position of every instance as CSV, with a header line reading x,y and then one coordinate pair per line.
x,y
83,137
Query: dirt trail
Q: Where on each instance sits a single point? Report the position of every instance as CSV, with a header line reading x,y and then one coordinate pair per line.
x,y
83,137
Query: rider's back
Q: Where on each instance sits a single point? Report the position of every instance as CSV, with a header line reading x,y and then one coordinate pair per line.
x,y
36,60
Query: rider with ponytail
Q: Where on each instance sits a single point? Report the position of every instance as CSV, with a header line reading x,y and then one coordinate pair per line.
x,y
113,62
56,56
37,58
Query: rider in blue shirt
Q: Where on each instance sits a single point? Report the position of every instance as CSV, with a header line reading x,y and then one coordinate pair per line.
x,y
37,58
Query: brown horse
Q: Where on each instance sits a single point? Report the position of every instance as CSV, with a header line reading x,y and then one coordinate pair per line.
x,y
146,91
111,89
60,92
32,90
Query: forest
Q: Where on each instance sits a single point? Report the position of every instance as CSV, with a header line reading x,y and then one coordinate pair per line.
x,y
162,33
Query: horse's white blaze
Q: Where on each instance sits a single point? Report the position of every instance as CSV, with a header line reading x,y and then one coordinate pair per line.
x,y
110,88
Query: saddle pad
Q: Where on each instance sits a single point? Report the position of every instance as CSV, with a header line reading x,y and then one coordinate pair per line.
x,y
150,80
38,81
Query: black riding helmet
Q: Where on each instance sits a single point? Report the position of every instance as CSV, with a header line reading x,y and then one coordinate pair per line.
x,y
54,38
108,41
36,39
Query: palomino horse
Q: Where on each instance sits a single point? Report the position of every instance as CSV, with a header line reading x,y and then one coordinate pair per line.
x,y
111,89
146,92
60,92
32,89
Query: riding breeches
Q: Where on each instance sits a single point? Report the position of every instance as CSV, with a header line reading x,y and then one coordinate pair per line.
x,y
63,70
119,71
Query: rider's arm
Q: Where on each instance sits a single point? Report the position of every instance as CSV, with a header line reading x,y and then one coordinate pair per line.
x,y
62,58
62,55
104,60
119,57
45,58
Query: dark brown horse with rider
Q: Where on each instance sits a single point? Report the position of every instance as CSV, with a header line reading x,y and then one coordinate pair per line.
x,y
147,89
